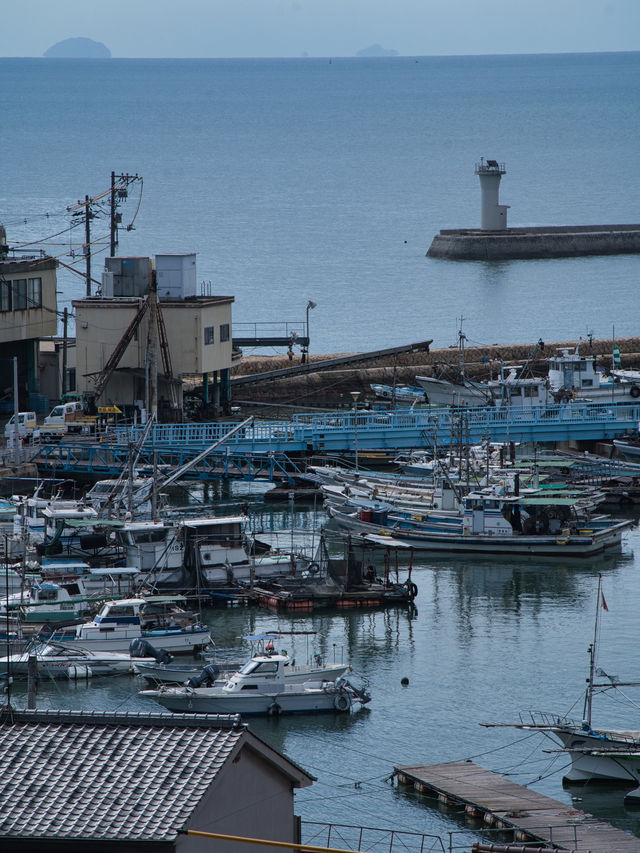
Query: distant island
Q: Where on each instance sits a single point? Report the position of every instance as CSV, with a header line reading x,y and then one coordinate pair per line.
x,y
376,50
78,48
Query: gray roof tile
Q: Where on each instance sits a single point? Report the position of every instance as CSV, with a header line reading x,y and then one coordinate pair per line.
x,y
107,776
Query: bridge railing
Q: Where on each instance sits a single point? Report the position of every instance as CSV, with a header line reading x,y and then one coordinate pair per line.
x,y
442,423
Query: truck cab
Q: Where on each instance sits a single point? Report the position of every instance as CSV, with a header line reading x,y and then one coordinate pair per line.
x,y
27,426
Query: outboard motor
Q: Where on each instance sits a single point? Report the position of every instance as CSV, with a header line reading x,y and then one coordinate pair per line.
x,y
205,677
139,648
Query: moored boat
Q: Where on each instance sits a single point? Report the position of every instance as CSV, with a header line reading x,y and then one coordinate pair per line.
x,y
157,619
261,689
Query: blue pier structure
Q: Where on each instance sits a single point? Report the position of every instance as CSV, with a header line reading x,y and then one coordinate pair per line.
x,y
266,449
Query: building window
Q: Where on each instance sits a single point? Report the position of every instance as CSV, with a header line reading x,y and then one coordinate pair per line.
x,y
20,294
71,379
209,335
5,296
34,292
224,332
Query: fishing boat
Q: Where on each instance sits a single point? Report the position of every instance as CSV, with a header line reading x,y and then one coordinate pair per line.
x,y
46,601
609,756
59,661
539,523
158,619
406,394
219,672
261,688
570,376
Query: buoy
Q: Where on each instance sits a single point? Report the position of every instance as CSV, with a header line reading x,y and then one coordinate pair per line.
x,y
404,681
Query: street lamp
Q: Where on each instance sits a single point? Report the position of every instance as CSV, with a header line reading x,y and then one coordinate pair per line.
x,y
310,304
355,395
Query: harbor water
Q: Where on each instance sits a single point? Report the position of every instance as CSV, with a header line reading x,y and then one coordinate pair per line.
x,y
487,639
327,180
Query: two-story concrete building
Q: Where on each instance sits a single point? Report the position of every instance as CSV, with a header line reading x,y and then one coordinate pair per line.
x,y
197,332
28,313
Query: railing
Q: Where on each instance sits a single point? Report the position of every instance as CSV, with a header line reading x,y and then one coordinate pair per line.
x,y
371,839
281,329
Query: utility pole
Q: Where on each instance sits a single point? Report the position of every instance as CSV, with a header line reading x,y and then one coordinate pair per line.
x,y
119,193
65,343
87,237
153,347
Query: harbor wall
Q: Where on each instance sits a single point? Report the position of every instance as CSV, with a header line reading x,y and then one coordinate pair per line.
x,y
555,241
332,387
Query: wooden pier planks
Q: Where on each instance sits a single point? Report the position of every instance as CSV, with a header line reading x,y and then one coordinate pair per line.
x,y
511,805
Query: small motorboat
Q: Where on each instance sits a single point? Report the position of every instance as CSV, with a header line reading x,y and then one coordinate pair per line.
x,y
261,688
219,672
57,661
157,619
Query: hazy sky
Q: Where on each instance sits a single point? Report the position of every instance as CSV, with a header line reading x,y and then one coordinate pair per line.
x,y
242,28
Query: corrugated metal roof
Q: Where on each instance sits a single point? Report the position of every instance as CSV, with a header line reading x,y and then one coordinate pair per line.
x,y
108,776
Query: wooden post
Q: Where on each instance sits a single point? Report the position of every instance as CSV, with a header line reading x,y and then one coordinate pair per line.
x,y
32,681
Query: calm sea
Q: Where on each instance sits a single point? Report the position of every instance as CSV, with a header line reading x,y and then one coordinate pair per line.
x,y
488,639
327,179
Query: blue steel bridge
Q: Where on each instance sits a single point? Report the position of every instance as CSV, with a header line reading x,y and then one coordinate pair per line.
x,y
267,449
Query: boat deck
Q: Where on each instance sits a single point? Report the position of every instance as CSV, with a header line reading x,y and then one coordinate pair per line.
x,y
504,804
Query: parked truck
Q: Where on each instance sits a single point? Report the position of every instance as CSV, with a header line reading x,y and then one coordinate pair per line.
x,y
27,428
67,418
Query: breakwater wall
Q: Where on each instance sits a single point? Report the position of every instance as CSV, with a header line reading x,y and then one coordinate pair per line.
x,y
332,387
554,241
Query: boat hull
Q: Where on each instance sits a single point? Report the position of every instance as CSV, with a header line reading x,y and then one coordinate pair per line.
x,y
177,642
212,701
575,545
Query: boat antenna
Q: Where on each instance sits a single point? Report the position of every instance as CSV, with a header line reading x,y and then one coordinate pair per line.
x,y
588,696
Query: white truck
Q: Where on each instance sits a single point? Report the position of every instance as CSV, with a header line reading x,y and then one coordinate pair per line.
x,y
67,418
27,428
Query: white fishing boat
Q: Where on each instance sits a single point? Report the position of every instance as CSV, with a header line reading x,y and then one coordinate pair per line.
x,y
401,394
605,755
158,619
58,661
261,688
46,601
219,672
570,376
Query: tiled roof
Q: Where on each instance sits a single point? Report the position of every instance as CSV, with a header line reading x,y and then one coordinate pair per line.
x,y
107,776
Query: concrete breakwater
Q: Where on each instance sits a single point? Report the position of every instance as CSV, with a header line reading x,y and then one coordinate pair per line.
x,y
554,241
332,387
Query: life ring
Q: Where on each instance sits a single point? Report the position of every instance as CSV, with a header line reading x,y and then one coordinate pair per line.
x,y
634,391
274,710
313,568
412,589
342,702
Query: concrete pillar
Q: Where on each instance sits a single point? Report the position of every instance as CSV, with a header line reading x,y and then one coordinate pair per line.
x,y
493,215
205,388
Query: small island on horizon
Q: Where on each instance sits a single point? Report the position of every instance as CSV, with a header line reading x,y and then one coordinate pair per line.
x,y
376,50
78,48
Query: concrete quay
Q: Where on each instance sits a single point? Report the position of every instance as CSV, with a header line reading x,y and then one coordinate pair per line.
x,y
331,387
553,241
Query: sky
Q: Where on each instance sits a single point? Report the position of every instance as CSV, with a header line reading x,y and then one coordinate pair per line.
x,y
291,28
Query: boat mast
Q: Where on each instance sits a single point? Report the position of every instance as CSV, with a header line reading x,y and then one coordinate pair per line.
x,y
588,696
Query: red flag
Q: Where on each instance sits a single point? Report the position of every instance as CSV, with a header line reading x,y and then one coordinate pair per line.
x,y
604,602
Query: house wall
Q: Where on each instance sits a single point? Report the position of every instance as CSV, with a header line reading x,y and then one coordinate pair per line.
x,y
32,321
100,324
250,798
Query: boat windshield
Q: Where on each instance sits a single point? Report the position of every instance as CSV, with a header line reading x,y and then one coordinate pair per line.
x,y
256,667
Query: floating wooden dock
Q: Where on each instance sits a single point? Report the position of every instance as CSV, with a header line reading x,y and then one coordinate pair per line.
x,y
505,805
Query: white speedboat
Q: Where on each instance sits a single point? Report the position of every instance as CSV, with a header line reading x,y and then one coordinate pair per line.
x,y
218,673
58,661
261,688
157,619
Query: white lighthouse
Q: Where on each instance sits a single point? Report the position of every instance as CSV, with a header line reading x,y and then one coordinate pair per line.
x,y
493,214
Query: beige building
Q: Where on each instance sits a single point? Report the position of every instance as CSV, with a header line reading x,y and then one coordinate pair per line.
x,y
198,335
28,312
